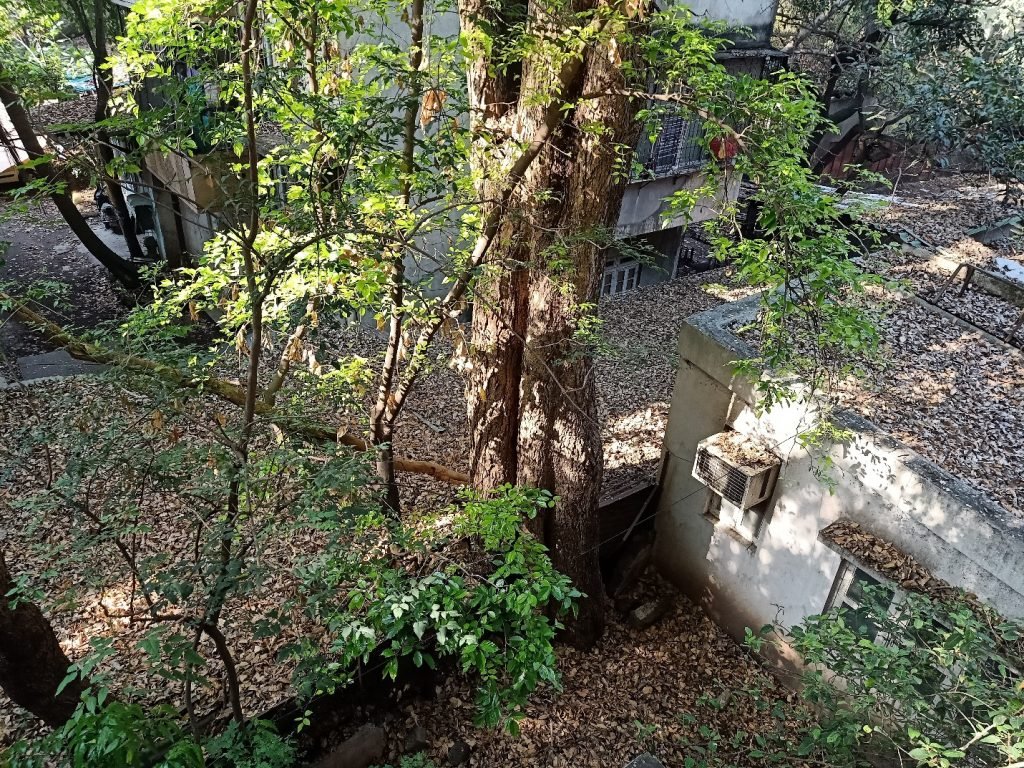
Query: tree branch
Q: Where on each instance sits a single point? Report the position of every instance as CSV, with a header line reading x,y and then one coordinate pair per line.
x,y
225,390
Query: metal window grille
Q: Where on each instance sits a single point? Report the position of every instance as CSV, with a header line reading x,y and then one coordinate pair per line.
x,y
676,150
772,64
695,252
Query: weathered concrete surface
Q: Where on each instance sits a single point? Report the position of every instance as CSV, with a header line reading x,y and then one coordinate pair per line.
x,y
56,364
646,760
756,17
787,572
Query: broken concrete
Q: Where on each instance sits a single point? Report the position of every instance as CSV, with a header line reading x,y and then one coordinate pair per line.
x,y
56,364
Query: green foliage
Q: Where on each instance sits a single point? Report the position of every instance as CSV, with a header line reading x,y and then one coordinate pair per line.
x,y
33,49
941,685
111,734
114,734
253,745
940,72
905,679
971,102
491,614
419,760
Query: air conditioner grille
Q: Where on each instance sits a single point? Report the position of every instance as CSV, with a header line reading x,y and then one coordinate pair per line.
x,y
721,477
740,468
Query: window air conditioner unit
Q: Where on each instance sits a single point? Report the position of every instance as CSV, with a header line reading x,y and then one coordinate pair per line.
x,y
740,469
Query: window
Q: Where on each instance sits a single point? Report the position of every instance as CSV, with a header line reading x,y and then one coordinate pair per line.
x,y
854,588
744,524
620,275
695,252
678,148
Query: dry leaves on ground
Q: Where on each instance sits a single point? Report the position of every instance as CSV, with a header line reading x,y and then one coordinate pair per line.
x,y
634,692
950,394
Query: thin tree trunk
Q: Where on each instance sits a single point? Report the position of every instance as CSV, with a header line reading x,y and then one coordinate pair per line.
x,y
32,663
385,410
121,269
104,149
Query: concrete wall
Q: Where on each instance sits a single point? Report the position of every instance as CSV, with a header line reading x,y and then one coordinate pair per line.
x,y
784,572
197,228
645,204
758,16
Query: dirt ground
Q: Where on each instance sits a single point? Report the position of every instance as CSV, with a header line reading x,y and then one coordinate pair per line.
x,y
40,247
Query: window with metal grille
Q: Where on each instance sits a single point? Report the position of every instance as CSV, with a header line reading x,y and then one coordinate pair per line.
x,y
853,589
695,253
677,148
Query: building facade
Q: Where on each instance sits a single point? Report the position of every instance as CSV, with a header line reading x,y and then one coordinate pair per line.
x,y
777,559
181,196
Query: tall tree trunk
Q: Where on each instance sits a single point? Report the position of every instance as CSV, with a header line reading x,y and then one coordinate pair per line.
x,y
532,396
121,269
104,150
500,311
32,663
560,442
501,295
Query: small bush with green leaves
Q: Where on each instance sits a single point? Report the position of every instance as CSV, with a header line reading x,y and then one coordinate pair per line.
x,y
494,610
111,734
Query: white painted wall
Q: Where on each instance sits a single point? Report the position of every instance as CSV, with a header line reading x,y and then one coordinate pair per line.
x,y
786,573
757,15
644,204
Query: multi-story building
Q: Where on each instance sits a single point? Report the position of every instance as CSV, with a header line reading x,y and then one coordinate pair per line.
x,y
182,197
677,158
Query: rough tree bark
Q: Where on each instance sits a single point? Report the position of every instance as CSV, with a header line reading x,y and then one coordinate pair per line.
x,y
531,394
121,269
32,663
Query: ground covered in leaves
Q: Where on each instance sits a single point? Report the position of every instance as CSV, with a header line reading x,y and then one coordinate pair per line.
x,y
36,247
953,392
950,392
639,690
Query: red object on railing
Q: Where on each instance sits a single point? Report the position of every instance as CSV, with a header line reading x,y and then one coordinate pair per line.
x,y
724,147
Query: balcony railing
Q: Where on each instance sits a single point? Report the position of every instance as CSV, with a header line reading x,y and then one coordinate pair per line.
x,y
677,150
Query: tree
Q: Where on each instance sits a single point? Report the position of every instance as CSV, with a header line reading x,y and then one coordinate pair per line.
x,y
517,175
33,70
33,666
95,26
56,188
258,474
531,392
915,69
